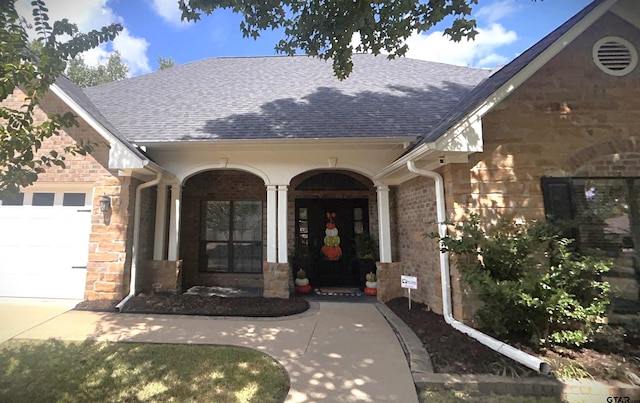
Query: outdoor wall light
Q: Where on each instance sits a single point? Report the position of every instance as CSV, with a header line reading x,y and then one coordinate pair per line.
x,y
105,204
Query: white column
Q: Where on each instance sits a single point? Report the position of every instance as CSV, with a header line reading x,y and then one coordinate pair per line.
x,y
384,224
174,223
161,223
272,216
282,224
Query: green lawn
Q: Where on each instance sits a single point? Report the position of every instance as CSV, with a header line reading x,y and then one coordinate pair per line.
x,y
56,371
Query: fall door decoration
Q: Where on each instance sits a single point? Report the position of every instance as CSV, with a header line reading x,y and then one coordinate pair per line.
x,y
331,248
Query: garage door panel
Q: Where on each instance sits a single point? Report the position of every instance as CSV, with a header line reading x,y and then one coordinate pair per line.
x,y
44,250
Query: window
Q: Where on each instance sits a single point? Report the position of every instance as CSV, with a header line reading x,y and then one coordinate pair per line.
x,y
231,238
602,213
303,226
17,200
43,199
358,220
73,199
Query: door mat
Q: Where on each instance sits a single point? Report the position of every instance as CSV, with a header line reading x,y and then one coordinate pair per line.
x,y
341,291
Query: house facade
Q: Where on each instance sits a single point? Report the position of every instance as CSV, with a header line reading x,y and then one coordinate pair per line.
x,y
236,172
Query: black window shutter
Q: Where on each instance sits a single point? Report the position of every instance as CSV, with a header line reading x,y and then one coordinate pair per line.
x,y
558,200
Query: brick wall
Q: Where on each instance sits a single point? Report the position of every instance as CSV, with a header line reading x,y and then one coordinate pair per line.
x,y
568,119
148,198
108,267
216,185
415,216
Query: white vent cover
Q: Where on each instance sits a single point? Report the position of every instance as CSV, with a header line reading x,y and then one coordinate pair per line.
x,y
615,56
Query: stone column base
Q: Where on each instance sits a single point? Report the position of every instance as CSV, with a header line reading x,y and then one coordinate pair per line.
x,y
276,280
388,281
161,276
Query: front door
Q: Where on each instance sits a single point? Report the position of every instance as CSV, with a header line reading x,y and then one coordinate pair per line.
x,y
328,228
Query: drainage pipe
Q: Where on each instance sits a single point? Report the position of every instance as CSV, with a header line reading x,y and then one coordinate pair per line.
x,y
502,348
136,236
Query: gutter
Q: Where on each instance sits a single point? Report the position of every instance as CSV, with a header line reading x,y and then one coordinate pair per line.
x,y
136,235
518,355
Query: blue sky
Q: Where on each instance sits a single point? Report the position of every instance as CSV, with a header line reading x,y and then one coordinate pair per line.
x,y
153,28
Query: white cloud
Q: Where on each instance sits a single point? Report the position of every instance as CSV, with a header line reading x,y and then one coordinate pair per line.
x,y
481,52
133,51
87,14
496,11
169,11
94,14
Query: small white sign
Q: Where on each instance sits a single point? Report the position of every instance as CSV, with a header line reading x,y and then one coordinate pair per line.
x,y
409,282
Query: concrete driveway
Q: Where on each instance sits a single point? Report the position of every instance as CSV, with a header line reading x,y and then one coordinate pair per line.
x,y
18,315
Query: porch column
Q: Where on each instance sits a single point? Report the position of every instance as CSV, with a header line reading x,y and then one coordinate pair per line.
x,y
272,216
282,224
384,223
161,223
174,223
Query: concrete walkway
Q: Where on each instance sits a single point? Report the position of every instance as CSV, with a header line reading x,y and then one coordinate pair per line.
x,y
335,352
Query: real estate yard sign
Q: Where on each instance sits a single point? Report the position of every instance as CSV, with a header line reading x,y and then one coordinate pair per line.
x,y
411,283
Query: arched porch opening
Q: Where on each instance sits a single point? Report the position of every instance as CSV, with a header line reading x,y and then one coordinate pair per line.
x,y
334,217
223,229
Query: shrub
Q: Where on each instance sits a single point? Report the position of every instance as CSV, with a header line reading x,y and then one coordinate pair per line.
x,y
532,284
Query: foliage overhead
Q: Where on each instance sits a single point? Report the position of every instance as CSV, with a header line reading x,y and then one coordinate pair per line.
x,y
20,136
165,63
532,285
84,75
325,28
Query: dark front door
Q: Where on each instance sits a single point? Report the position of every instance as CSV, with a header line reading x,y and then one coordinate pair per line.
x,y
328,228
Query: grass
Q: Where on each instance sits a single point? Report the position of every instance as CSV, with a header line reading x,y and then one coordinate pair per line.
x,y
57,371
449,396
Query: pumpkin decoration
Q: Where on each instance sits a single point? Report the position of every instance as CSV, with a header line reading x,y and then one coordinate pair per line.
x,y
371,287
331,248
302,282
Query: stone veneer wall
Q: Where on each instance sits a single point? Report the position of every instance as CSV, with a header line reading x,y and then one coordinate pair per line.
x,y
109,245
216,185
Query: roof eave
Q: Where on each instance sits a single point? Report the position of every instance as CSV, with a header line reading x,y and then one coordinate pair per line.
x,y
121,155
455,138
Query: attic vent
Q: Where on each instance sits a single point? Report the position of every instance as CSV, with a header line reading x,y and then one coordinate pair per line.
x,y
615,56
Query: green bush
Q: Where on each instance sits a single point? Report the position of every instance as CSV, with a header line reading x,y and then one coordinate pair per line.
x,y
532,284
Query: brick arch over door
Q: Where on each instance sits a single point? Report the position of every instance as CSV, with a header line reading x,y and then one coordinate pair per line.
x,y
612,158
369,194
216,185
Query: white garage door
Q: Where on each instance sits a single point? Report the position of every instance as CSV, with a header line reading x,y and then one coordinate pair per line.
x,y
44,237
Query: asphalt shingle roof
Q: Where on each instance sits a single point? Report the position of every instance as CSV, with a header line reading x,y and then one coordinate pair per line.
x,y
284,97
79,97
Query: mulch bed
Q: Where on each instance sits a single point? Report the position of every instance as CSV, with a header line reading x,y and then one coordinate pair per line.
x,y
184,304
452,351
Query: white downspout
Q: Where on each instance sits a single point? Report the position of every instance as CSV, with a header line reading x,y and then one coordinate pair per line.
x,y
502,348
136,236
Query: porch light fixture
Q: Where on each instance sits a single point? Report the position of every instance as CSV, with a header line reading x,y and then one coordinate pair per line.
x,y
105,204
